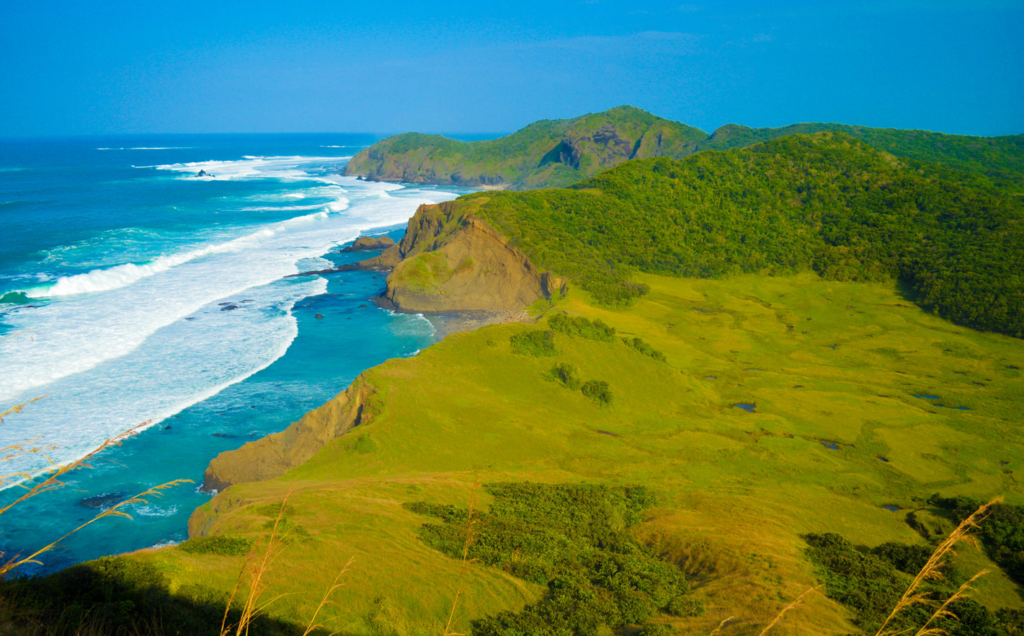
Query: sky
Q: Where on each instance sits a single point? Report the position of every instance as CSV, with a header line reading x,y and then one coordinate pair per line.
x,y
140,66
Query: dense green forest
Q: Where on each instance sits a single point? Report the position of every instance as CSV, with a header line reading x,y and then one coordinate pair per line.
x,y
826,202
559,152
997,161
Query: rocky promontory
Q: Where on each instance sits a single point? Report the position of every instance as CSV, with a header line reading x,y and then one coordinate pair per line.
x,y
274,455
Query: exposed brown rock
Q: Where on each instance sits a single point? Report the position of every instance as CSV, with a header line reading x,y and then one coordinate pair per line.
x,y
452,261
274,455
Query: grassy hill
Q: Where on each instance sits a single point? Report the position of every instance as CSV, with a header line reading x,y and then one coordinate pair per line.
x,y
832,370
558,153
548,153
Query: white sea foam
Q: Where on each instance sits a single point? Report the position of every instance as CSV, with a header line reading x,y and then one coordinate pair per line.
x,y
112,349
251,167
124,275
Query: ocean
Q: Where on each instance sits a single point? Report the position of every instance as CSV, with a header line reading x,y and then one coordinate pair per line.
x,y
134,292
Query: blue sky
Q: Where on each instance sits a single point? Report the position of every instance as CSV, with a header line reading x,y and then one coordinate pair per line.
x,y
112,66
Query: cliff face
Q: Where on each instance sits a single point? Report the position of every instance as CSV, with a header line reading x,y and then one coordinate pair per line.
x,y
274,455
550,153
450,261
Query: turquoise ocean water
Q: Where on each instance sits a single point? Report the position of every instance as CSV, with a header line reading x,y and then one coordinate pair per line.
x,y
135,292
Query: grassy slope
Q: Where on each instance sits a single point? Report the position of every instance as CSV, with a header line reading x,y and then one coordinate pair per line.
x,y
822,360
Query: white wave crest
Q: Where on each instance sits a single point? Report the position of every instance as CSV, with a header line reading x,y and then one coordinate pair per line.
x,y
123,275
251,167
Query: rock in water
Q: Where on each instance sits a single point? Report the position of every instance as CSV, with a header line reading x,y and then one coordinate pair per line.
x,y
367,243
319,316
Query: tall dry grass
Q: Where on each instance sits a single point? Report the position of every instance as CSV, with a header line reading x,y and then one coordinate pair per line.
x,y
49,478
932,571
253,576
470,536
796,603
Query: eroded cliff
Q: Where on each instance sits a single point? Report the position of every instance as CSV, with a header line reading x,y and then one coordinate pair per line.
x,y
274,455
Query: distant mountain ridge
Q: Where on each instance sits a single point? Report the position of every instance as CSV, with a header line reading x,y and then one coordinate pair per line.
x,y
561,152
547,153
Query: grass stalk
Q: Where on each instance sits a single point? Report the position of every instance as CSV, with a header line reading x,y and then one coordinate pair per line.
x,y
465,561
113,511
257,567
56,472
14,410
785,609
945,612
313,625
932,569
720,626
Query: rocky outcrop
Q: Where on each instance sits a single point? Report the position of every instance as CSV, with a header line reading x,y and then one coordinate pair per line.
x,y
274,455
451,261
370,243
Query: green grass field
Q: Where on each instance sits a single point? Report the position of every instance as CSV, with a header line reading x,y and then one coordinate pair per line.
x,y
836,434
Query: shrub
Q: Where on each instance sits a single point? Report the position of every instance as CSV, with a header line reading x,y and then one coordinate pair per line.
x,y
871,582
686,606
224,545
579,327
644,348
573,538
598,390
1003,535
567,374
652,629
537,342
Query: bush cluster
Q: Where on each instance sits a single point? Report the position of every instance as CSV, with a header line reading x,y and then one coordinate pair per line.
x,y
597,390
536,342
567,374
579,327
1003,537
644,348
225,545
871,582
575,540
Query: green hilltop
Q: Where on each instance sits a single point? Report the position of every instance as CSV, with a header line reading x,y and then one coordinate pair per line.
x,y
547,153
825,202
556,153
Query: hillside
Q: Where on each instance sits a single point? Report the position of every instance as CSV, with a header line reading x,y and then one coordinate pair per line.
x,y
558,153
548,153
997,160
825,202
831,371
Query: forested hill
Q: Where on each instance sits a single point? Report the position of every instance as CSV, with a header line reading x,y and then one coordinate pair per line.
x,y
547,153
826,202
1000,160
558,153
